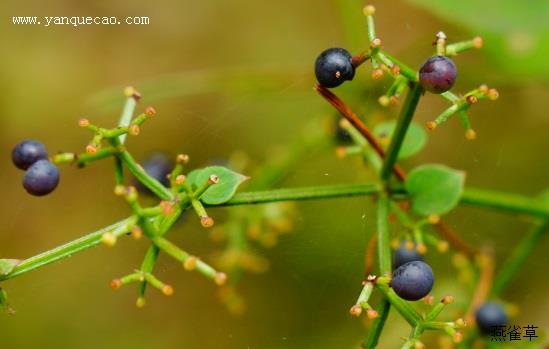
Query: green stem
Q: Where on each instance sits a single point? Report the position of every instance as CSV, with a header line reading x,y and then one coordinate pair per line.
x,y
155,186
126,117
63,251
377,326
406,115
383,239
303,193
406,310
519,256
147,266
505,201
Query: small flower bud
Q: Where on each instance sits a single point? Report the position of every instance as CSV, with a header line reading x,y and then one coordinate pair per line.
x,y
190,263
409,245
115,284
447,300
119,190
167,207
442,246
83,122
213,179
134,130
355,310
220,278
140,303
377,74
460,323
384,101
433,219
421,248
369,10
470,134
429,299
431,125
493,94
375,43
371,314
182,158
91,149
483,88
131,194
395,69
341,152
471,99
419,345
478,42
167,290
150,111
395,244
137,232
457,337
394,100
207,222
108,239
180,180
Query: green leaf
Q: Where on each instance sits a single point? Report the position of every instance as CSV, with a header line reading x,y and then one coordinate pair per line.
x,y
414,141
434,189
7,265
220,192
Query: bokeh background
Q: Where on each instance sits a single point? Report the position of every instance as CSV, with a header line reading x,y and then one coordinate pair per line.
x,y
237,75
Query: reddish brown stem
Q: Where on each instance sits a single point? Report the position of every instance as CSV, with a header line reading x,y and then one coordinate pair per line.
x,y
348,114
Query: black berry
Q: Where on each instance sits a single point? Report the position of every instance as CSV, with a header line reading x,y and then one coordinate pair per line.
x,y
438,74
158,166
27,153
41,178
341,135
490,315
333,67
404,255
413,280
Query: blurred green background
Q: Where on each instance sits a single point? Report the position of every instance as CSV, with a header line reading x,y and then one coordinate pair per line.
x,y
230,76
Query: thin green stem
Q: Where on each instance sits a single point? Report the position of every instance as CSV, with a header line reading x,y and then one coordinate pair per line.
x,y
377,326
126,117
303,193
406,310
521,252
155,186
509,202
383,239
147,266
63,251
406,115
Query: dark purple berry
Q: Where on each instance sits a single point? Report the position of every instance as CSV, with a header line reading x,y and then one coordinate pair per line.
x,y
41,178
490,315
404,255
438,74
413,280
158,166
341,135
27,153
333,67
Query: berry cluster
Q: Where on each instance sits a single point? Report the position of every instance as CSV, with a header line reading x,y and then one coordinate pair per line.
x,y
41,176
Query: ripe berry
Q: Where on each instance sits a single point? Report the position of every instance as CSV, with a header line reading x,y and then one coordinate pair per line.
x,y
158,166
404,255
490,315
27,153
438,74
333,67
41,178
413,280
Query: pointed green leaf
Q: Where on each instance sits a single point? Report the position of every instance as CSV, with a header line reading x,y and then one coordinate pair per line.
x,y
434,189
220,192
7,265
414,141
